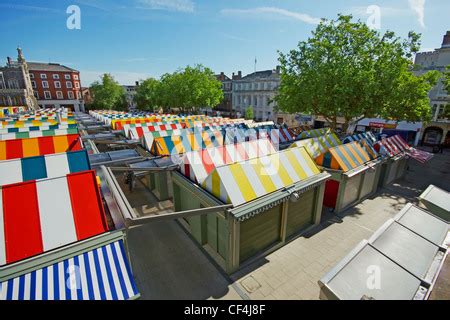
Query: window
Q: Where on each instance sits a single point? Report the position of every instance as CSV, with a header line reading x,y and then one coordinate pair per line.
x,y
70,94
44,84
57,84
56,76
79,95
77,85
75,76
68,84
59,95
43,76
47,95
33,84
67,76
36,94
31,75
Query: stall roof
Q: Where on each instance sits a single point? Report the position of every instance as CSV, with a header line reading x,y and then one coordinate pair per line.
x,y
319,145
245,181
100,274
113,156
37,134
137,131
21,148
314,133
38,128
366,140
165,146
42,167
404,253
57,212
197,165
344,157
437,201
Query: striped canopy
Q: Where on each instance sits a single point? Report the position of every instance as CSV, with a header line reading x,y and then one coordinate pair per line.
x,y
344,157
24,124
245,181
318,146
38,128
314,133
136,131
99,274
395,145
366,140
36,134
21,148
148,138
42,167
166,146
57,212
197,165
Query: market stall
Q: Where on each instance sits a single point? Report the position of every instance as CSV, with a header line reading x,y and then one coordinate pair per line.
x,y
353,175
437,201
272,199
38,133
315,133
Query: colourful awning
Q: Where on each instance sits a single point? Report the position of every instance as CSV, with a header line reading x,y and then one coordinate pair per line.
x,y
366,140
100,274
197,165
395,145
22,148
344,157
245,181
38,128
42,167
136,131
38,216
314,133
318,146
36,134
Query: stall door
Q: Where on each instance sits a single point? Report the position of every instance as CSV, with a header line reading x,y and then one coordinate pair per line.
x,y
259,233
369,182
351,191
401,168
392,172
300,213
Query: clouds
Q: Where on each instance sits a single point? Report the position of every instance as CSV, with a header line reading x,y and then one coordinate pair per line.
x,y
169,5
268,11
418,6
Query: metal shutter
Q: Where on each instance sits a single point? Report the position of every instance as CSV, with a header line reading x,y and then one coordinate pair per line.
x,y
351,190
259,232
300,213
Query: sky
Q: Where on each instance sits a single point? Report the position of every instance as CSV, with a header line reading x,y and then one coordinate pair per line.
x,y
137,39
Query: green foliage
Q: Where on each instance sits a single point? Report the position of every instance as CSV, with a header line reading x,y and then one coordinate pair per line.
x,y
188,90
346,69
147,94
446,82
249,114
108,94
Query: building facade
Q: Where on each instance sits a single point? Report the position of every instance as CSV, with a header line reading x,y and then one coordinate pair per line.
x,y
130,92
438,131
256,90
56,85
225,108
15,84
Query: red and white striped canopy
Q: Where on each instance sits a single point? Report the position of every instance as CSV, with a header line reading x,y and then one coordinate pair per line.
x,y
38,216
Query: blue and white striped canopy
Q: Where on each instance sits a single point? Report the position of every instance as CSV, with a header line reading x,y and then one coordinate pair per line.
x,y
100,274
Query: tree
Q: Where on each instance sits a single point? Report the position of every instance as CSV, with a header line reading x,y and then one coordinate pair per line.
x,y
108,94
348,70
446,82
249,114
190,89
148,94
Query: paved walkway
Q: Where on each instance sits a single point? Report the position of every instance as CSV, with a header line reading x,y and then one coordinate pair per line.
x,y
169,265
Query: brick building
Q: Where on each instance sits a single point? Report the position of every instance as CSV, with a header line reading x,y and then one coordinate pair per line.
x,y
225,107
56,85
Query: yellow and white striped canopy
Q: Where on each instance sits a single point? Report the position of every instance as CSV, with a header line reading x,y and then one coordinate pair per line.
x,y
245,181
319,145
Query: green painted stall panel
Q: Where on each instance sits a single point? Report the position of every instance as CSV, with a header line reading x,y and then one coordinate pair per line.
x,y
300,213
259,233
401,171
369,185
212,231
392,174
350,190
222,229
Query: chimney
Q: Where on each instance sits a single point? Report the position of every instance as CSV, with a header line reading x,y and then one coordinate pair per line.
x,y
137,83
446,41
9,61
278,69
240,74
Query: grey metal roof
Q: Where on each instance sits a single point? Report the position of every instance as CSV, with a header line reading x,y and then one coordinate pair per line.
x,y
405,255
40,66
436,196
